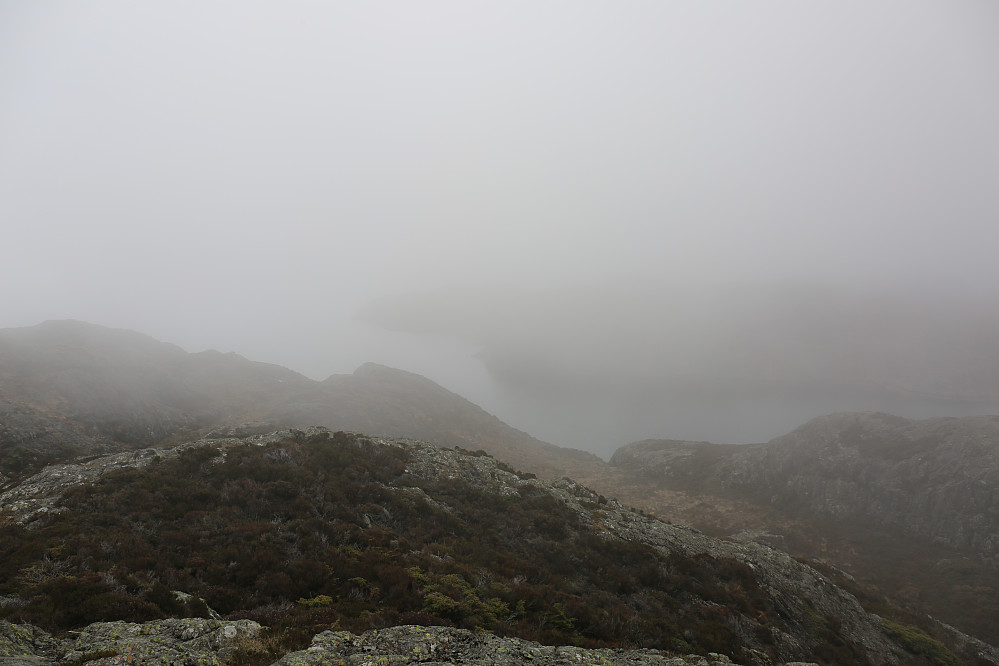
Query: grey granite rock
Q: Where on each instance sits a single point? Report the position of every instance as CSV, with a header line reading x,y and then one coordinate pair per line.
x,y
172,642
442,645
26,644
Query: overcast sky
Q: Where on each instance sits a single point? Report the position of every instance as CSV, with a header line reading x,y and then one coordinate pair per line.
x,y
247,175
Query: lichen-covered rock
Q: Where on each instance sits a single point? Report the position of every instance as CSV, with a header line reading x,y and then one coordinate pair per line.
x,y
26,644
173,642
429,646
189,600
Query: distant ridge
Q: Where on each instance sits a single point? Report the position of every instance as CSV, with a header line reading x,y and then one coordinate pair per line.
x,y
934,478
396,403
106,389
912,505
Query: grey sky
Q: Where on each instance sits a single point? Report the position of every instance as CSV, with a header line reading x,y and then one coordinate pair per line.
x,y
247,175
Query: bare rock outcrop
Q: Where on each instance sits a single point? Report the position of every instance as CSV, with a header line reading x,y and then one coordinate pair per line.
x,y
24,645
443,645
172,642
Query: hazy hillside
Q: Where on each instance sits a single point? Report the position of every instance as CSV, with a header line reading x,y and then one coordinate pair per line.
x,y
30,438
130,387
396,403
910,505
70,388
937,478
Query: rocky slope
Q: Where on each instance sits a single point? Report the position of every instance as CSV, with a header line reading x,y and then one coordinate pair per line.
x,y
441,645
907,506
199,642
762,604
936,478
29,438
40,493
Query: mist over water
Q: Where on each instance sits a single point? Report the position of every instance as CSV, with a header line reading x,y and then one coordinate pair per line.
x,y
599,366
566,212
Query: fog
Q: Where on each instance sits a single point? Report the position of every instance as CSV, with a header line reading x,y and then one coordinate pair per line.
x,y
726,362
568,212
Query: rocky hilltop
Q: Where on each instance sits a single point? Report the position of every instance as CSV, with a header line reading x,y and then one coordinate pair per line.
x,y
907,505
167,642
936,478
198,642
306,528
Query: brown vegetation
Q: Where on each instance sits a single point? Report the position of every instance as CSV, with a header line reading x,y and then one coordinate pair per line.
x,y
304,534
